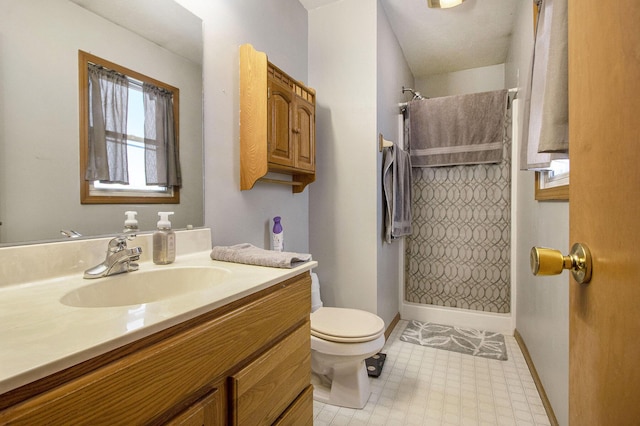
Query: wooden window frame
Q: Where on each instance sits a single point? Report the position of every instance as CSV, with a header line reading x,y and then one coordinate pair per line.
x,y
86,197
557,193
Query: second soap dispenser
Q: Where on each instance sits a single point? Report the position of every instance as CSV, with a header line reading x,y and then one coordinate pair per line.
x,y
131,223
164,241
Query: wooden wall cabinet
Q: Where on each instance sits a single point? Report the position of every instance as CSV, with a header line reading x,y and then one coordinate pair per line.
x,y
248,362
277,124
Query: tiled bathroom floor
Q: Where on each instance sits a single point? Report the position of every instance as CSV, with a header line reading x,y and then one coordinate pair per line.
x,y
426,386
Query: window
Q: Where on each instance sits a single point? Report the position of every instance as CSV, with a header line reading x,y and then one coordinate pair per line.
x,y
126,157
553,184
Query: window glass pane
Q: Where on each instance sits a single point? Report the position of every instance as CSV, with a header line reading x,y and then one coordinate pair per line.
x,y
135,119
135,148
559,168
557,176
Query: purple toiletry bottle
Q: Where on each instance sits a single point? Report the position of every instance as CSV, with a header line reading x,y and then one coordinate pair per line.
x,y
277,235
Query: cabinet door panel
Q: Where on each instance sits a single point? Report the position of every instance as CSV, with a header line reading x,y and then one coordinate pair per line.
x,y
206,412
263,390
305,135
300,412
279,124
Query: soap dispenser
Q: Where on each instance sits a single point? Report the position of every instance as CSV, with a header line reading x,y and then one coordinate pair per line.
x,y
164,241
130,223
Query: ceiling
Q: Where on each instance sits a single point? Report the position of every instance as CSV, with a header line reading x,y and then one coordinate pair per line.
x,y
163,22
436,41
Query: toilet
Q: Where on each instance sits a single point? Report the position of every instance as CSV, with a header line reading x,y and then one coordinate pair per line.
x,y
341,340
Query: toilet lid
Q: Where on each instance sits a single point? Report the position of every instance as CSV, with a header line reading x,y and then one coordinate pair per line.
x,y
346,325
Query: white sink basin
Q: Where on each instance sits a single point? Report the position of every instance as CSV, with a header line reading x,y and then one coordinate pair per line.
x,y
134,288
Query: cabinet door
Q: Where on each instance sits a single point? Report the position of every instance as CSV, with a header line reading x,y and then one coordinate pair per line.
x,y
264,389
279,124
304,135
206,412
300,412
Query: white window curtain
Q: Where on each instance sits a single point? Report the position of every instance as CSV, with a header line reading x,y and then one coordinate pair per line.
x,y
162,161
545,134
108,98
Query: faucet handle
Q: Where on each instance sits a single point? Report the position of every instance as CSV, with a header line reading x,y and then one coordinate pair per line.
x,y
118,243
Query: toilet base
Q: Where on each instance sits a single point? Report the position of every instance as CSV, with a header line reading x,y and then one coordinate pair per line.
x,y
349,386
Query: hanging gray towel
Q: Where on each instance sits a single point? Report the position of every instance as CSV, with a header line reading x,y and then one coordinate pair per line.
x,y
454,130
396,185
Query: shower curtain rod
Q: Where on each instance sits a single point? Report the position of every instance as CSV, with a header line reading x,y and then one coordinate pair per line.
x,y
403,105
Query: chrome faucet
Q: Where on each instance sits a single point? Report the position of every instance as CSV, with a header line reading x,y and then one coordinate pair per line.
x,y
119,258
70,233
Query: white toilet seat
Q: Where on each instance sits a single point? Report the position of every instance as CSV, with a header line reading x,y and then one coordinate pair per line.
x,y
345,325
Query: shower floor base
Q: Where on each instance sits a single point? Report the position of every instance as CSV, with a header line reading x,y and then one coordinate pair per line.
x,y
501,323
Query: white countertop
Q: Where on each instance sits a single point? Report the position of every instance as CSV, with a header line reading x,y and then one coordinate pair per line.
x,y
41,336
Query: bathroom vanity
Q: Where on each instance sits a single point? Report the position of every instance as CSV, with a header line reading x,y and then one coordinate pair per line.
x,y
239,354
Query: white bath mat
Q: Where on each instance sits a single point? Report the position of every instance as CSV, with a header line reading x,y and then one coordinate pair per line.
x,y
470,341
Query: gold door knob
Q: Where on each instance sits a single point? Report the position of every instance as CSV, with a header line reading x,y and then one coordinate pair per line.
x,y
546,261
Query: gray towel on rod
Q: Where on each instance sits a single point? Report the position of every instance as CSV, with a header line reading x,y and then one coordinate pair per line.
x,y
252,255
396,185
455,130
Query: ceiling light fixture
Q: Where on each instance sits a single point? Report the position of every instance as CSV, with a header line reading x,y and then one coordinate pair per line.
x,y
443,4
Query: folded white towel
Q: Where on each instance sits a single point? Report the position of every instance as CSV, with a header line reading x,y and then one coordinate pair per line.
x,y
252,255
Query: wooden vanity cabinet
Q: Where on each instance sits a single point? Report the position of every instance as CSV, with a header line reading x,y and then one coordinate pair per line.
x,y
277,124
248,362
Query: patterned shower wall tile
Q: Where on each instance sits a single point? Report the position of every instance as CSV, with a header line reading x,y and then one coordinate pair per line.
x,y
460,252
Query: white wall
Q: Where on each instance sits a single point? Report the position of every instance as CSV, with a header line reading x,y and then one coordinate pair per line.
x,y
39,162
483,79
542,313
358,71
393,74
343,201
338,217
278,28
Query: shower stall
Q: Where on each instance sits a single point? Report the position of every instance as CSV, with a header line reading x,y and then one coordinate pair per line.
x,y
457,266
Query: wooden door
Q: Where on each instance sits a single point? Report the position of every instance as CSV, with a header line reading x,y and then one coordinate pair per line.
x,y
305,135
604,134
279,123
207,411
